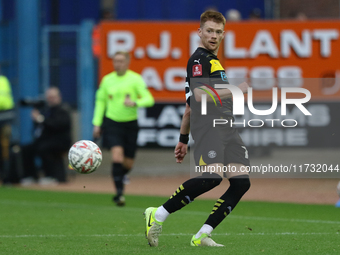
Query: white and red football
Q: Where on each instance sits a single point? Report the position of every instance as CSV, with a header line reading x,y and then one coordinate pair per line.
x,y
85,157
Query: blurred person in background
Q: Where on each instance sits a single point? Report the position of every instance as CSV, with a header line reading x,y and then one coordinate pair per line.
x,y
297,15
255,14
52,139
301,16
118,97
6,116
233,15
338,190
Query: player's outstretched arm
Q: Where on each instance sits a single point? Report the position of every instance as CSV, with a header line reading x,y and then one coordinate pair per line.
x,y
182,146
223,93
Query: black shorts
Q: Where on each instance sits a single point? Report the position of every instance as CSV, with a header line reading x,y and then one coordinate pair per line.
x,y
220,144
121,134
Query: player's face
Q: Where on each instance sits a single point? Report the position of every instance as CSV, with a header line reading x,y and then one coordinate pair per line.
x,y
211,35
120,64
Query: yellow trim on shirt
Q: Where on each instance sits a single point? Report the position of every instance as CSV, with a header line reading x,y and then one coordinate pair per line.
x,y
215,66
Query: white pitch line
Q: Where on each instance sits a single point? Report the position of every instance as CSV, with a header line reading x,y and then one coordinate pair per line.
x,y
170,234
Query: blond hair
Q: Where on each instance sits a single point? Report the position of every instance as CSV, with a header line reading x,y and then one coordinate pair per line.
x,y
124,53
213,16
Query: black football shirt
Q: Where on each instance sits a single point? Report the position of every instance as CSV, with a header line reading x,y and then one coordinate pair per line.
x,y
205,69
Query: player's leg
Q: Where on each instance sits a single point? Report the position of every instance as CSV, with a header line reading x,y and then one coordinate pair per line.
x,y
208,152
127,167
113,134
185,194
238,177
130,146
123,156
189,190
194,187
117,154
239,185
128,164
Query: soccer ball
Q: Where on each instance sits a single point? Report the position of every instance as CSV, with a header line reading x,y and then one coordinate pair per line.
x,y
85,157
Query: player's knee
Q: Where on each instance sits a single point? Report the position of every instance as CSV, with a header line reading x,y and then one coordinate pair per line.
x,y
241,183
117,153
211,180
117,158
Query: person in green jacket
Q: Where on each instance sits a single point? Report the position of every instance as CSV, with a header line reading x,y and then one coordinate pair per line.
x,y
118,97
6,104
6,98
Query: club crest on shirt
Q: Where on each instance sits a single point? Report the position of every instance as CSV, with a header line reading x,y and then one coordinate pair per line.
x,y
212,154
197,70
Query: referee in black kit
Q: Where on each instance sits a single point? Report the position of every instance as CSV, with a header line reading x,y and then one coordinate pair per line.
x,y
118,97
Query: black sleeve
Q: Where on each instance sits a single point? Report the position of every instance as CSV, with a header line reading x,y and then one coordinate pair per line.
x,y
198,73
198,68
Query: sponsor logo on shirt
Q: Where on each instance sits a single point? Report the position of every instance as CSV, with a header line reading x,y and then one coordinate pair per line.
x,y
197,70
224,76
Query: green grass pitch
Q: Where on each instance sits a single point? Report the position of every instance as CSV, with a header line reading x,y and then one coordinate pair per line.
x,y
46,222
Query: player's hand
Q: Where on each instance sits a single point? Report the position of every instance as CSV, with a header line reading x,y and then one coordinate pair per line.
x,y
96,132
129,103
244,87
180,152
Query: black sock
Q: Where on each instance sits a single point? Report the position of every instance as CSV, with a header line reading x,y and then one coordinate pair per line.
x,y
189,190
226,203
117,174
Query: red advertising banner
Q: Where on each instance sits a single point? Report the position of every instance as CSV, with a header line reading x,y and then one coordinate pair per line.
x,y
266,54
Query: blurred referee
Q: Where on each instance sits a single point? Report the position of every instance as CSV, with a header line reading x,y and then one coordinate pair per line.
x,y
117,99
